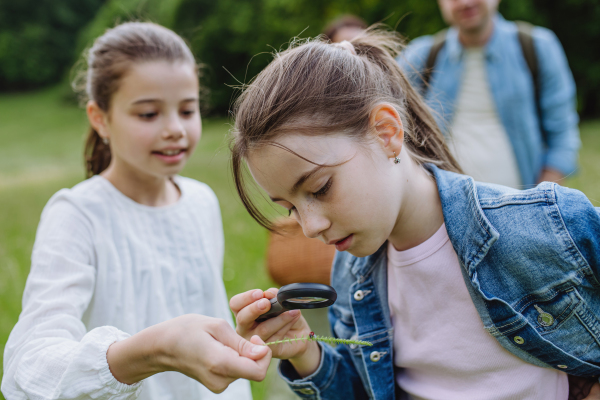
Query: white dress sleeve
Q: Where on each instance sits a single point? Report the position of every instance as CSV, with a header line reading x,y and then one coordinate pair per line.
x,y
50,354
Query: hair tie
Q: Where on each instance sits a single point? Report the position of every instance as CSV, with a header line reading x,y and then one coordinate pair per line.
x,y
347,45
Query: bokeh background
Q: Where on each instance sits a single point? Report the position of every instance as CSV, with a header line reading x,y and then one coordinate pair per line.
x,y
42,128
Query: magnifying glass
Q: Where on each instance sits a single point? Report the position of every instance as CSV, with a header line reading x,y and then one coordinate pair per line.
x,y
300,296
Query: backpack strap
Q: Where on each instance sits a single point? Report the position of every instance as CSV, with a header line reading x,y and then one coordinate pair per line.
x,y
526,40
527,47
438,42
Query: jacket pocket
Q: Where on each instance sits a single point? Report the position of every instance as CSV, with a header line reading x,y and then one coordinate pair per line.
x,y
563,318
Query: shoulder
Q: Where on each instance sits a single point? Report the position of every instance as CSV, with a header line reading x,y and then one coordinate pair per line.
x,y
78,200
544,37
548,213
577,211
416,53
197,191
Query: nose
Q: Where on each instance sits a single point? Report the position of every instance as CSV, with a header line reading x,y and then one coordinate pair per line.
x,y
314,224
174,129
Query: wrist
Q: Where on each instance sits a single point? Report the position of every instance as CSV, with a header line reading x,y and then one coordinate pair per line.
x,y
136,358
307,363
162,347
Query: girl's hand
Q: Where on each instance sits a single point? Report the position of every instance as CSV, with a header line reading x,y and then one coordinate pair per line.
x,y
203,348
581,388
594,393
247,306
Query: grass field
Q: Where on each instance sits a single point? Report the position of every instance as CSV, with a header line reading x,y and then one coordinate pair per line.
x,y
40,152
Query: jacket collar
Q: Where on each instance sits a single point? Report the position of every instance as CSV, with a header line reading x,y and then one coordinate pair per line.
x,y
469,230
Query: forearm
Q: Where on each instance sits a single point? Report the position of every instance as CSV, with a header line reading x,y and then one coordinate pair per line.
x,y
139,356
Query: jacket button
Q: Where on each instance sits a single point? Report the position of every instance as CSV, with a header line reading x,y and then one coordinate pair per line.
x,y
375,356
519,340
306,391
561,366
359,295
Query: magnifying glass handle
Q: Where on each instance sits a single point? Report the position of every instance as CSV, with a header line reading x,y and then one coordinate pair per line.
x,y
275,310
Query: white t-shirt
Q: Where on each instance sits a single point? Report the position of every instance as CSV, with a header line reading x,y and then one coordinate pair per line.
x,y
478,139
103,268
440,345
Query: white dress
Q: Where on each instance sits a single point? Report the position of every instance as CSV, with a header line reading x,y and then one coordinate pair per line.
x,y
103,268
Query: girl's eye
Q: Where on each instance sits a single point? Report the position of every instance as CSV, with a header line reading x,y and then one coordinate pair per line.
x,y
148,116
290,211
324,189
187,113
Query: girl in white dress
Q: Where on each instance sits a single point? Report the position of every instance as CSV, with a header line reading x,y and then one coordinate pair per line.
x,y
124,299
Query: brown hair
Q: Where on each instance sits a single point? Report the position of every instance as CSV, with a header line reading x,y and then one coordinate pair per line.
x,y
318,88
109,59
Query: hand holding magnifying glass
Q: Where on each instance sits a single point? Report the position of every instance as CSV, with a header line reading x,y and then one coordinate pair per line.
x,y
300,296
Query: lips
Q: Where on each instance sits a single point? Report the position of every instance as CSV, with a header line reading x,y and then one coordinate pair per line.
x,y
169,152
170,156
343,244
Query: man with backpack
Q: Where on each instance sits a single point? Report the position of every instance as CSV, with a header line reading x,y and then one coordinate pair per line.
x,y
502,92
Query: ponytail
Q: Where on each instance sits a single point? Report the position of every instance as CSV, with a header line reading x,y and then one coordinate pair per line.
x,y
426,141
319,88
97,154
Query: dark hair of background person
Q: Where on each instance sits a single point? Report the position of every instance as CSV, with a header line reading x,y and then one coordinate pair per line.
x,y
336,95
345,21
109,58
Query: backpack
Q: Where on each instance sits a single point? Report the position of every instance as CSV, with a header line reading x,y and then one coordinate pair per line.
x,y
526,42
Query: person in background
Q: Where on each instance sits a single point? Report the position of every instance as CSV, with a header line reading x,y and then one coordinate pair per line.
x,y
503,90
125,299
344,28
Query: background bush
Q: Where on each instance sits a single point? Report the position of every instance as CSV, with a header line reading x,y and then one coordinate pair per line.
x,y
233,38
37,38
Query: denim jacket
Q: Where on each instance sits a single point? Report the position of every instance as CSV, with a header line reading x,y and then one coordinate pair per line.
x,y
517,249
512,89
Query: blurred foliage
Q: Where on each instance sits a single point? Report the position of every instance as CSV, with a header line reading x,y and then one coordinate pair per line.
x,y
576,23
115,11
235,46
233,39
37,38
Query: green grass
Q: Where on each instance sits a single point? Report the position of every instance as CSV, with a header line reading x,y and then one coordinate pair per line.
x,y
41,142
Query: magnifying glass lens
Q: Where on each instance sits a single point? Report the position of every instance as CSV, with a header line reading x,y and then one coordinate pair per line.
x,y
307,300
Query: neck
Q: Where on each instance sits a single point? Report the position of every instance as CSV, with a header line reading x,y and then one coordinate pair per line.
x,y
149,190
421,211
477,37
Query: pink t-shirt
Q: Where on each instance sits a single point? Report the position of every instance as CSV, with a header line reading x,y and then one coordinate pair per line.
x,y
440,345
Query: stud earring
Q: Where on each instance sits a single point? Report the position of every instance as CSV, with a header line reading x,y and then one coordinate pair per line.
x,y
396,159
105,140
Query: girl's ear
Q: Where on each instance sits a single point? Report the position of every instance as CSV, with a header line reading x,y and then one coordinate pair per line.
x,y
387,125
97,119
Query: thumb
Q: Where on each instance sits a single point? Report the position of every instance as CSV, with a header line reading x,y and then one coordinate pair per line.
x,y
254,349
244,348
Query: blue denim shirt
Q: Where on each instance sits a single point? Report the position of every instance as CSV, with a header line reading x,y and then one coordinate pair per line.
x,y
512,89
517,249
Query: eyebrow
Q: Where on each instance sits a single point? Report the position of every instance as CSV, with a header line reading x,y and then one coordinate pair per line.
x,y
303,178
142,101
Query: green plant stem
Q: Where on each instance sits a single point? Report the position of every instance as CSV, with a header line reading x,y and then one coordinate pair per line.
x,y
324,339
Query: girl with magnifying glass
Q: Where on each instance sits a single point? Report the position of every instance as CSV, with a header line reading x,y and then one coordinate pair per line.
x,y
466,290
